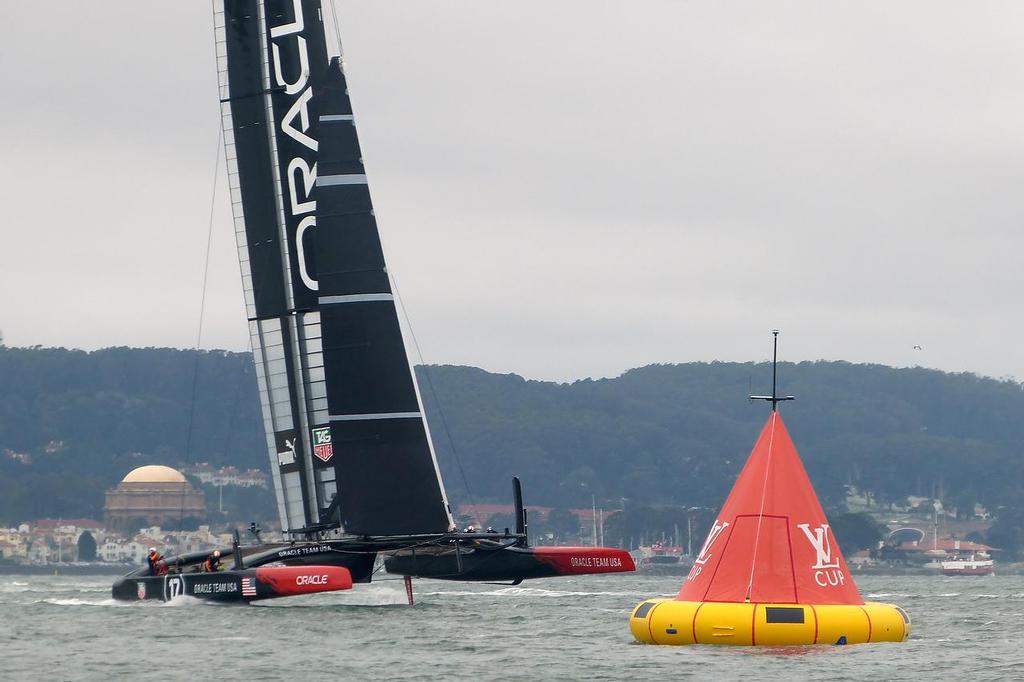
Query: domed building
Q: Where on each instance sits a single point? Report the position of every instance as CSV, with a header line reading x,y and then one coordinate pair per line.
x,y
152,495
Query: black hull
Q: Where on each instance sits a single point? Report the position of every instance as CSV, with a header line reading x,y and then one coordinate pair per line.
x,y
454,556
234,586
185,577
222,587
472,566
357,557
487,561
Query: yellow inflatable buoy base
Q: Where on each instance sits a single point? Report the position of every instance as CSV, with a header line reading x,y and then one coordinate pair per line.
x,y
668,621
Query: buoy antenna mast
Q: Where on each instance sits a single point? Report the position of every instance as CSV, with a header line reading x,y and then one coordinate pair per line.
x,y
774,398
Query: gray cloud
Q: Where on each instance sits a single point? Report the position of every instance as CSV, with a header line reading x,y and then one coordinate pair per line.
x,y
563,191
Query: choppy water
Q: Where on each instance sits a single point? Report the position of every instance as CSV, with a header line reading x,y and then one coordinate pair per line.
x,y
58,628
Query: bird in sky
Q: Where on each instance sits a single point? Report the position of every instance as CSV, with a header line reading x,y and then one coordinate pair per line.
x,y
918,348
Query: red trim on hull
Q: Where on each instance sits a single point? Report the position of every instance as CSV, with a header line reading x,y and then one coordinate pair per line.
x,y
286,581
584,560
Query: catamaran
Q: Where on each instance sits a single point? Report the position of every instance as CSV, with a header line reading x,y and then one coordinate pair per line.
x,y
354,470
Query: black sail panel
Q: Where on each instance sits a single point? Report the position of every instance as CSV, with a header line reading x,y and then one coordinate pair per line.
x,y
385,467
268,55
388,478
297,60
345,431
253,164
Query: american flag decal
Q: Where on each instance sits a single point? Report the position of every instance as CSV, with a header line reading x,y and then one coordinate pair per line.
x,y
248,589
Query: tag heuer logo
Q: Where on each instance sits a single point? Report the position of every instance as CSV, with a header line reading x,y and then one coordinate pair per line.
x,y
322,446
141,589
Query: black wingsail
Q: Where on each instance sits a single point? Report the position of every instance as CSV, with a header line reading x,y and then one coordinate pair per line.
x,y
345,428
386,467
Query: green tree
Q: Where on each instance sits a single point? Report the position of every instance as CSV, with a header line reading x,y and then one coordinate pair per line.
x,y
1007,531
562,522
86,547
856,531
500,522
72,423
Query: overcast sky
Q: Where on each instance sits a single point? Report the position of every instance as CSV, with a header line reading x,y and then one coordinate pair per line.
x,y
564,189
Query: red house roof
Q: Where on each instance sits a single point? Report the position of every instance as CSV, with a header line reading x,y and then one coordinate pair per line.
x,y
945,545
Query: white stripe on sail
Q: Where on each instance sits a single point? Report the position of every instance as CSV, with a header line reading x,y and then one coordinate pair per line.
x,y
378,415
332,180
354,298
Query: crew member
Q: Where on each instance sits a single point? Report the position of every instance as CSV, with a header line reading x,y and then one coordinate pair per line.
x,y
212,563
157,565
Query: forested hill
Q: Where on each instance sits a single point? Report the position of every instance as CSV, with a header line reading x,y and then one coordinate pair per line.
x,y
680,433
72,423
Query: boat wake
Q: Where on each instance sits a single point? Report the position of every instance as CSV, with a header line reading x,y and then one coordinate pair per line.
x,y
15,588
185,601
177,602
20,587
363,595
76,601
371,595
526,592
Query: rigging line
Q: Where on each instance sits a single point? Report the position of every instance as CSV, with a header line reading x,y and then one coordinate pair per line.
x,y
202,313
436,542
337,27
433,393
485,560
760,513
233,412
202,298
419,353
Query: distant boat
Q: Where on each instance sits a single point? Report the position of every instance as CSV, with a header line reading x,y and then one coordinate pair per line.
x,y
662,559
665,554
352,462
969,565
943,553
